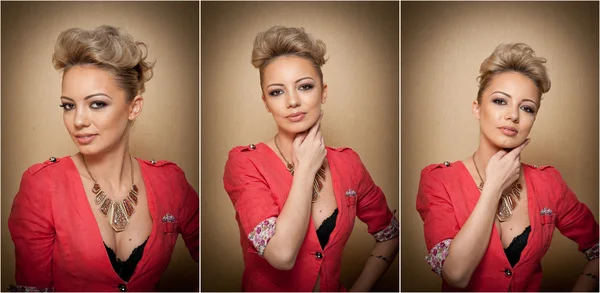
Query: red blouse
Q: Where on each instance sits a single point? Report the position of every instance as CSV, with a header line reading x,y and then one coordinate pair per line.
x,y
258,184
57,240
447,196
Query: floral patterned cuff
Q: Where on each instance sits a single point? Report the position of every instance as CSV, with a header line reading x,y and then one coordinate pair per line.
x,y
262,233
438,255
389,232
20,288
592,252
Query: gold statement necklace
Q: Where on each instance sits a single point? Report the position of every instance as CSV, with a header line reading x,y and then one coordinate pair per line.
x,y
319,177
508,201
119,212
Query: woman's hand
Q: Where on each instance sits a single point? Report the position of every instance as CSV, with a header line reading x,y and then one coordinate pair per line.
x,y
308,150
504,168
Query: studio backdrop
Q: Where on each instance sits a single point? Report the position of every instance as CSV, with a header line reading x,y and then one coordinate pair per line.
x,y
361,112
32,124
443,46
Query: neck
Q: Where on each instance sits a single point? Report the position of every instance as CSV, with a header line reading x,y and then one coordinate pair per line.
x,y
285,142
483,154
111,169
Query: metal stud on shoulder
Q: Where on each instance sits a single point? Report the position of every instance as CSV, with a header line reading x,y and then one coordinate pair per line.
x,y
447,164
52,159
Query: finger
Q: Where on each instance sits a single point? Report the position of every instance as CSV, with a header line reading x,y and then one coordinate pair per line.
x,y
313,129
299,139
499,155
517,151
319,136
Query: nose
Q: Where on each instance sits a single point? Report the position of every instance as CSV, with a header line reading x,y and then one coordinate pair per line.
x,y
81,118
513,115
293,100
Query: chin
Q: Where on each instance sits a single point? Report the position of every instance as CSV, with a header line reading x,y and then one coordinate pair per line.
x,y
509,143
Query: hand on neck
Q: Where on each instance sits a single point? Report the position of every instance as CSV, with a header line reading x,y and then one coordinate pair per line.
x,y
484,153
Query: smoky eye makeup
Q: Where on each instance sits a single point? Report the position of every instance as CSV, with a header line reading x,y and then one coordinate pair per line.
x,y
306,86
529,109
97,104
275,92
499,101
67,106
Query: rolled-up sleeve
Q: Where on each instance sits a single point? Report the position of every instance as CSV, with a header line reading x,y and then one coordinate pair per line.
x,y
252,199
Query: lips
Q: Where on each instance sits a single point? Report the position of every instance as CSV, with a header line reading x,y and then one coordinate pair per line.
x,y
295,117
85,138
509,131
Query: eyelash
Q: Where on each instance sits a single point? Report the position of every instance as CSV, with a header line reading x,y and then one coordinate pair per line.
x,y
70,106
304,87
524,108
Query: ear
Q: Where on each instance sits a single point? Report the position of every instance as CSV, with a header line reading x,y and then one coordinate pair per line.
x,y
324,94
135,109
475,109
265,103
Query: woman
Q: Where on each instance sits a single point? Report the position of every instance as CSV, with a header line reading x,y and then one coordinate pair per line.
x,y
296,199
100,220
489,219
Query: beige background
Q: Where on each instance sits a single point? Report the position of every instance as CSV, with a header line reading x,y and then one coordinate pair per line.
x,y
32,126
443,45
361,112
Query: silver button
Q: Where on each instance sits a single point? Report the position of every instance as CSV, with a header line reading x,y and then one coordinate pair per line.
x,y
252,146
447,164
52,159
153,162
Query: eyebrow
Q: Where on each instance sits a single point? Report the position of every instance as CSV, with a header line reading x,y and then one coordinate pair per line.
x,y
499,92
88,96
297,81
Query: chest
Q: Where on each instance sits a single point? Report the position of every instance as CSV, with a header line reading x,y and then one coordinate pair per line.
x,y
139,224
326,203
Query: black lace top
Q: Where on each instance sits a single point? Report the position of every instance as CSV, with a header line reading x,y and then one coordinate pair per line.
x,y
326,228
126,268
513,251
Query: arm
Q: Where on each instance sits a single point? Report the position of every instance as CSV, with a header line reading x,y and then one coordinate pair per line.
x,y
278,235
379,261
455,252
291,225
31,227
189,226
588,280
372,209
575,221
470,243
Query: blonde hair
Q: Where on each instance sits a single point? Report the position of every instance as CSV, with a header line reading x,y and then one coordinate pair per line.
x,y
287,41
108,48
519,58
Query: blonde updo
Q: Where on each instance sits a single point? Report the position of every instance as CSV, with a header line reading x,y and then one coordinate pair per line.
x,y
283,41
519,58
108,48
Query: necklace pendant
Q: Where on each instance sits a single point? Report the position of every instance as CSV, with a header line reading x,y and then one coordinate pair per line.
x,y
504,210
104,208
133,193
118,219
99,197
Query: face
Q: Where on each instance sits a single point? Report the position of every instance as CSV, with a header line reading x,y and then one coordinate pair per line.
x,y
96,113
293,93
507,110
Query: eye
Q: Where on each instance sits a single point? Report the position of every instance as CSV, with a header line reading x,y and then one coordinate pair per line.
x,y
275,93
528,109
97,105
67,106
306,87
499,101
